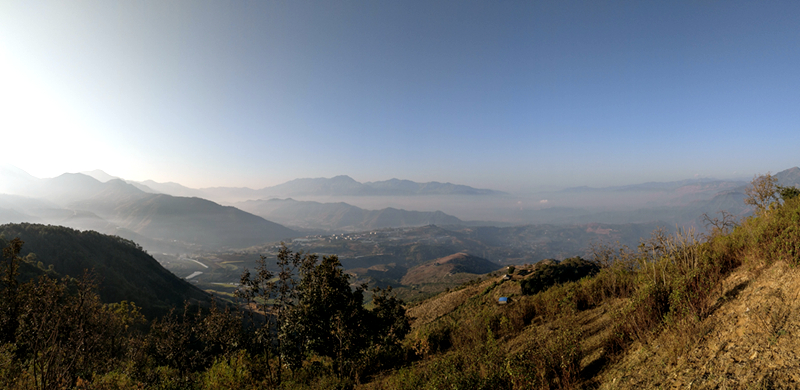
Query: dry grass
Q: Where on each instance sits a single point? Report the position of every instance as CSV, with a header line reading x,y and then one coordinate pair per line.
x,y
750,340
681,311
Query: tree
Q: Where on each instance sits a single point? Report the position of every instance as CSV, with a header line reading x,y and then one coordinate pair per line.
x,y
321,314
65,332
390,326
788,193
762,192
329,318
392,322
9,296
719,226
273,298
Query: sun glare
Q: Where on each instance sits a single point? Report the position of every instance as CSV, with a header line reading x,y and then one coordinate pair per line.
x,y
44,136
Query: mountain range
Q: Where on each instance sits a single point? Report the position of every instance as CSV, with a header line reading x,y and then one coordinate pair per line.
x,y
336,186
341,216
170,217
158,221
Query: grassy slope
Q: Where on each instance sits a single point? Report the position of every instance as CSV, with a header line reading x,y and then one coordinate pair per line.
x,y
715,313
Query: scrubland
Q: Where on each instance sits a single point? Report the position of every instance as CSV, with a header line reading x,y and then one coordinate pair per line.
x,y
679,311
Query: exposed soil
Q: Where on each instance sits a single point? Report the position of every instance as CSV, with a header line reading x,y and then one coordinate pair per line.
x,y
750,340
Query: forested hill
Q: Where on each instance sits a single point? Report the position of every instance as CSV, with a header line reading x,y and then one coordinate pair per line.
x,y
126,272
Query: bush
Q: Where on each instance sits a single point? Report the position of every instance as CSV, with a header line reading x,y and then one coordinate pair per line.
x,y
549,272
229,373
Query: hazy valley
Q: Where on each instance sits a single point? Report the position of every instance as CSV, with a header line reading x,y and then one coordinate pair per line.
x,y
153,247
190,235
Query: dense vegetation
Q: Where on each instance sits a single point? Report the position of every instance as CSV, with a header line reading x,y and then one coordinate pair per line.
x,y
550,272
304,325
124,272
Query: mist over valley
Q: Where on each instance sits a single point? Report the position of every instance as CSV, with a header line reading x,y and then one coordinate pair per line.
x,y
382,231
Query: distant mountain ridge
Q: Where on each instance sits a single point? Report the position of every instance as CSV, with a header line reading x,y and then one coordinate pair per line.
x,y
336,186
704,184
340,215
347,186
789,177
121,208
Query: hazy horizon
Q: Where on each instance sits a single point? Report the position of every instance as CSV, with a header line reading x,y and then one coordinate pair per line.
x,y
512,96
98,173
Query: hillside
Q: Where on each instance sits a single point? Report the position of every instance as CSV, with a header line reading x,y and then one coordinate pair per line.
x,y
159,222
681,311
440,269
192,220
126,272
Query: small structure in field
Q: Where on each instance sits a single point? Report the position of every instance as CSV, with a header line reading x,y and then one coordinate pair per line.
x,y
502,301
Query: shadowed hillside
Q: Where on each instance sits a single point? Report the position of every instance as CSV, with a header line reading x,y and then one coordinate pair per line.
x,y
197,221
126,272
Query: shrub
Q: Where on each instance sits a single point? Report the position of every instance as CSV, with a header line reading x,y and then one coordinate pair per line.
x,y
549,273
231,372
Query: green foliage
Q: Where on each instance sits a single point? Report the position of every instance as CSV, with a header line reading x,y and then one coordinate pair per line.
x,y
776,236
65,333
434,338
128,273
549,272
273,297
229,372
788,193
11,305
321,315
57,333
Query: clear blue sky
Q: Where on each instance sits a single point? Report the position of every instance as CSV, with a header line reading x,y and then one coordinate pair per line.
x,y
499,94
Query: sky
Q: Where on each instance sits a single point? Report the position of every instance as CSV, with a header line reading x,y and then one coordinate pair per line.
x,y
506,95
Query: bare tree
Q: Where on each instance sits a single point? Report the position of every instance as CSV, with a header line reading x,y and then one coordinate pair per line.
x,y
762,192
719,226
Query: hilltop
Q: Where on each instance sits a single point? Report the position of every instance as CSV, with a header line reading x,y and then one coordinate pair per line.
x,y
440,269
